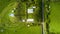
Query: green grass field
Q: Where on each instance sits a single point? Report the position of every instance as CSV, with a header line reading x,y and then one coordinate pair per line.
x,y
55,18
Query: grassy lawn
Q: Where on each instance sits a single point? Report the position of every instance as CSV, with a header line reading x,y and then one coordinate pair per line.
x,y
4,3
20,29
55,17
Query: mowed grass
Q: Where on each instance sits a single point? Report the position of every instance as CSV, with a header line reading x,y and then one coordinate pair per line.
x,y
21,29
8,24
55,17
4,3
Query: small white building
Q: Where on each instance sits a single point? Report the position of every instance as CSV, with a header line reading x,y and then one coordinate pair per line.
x,y
12,10
12,15
28,25
30,20
34,7
23,20
30,11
